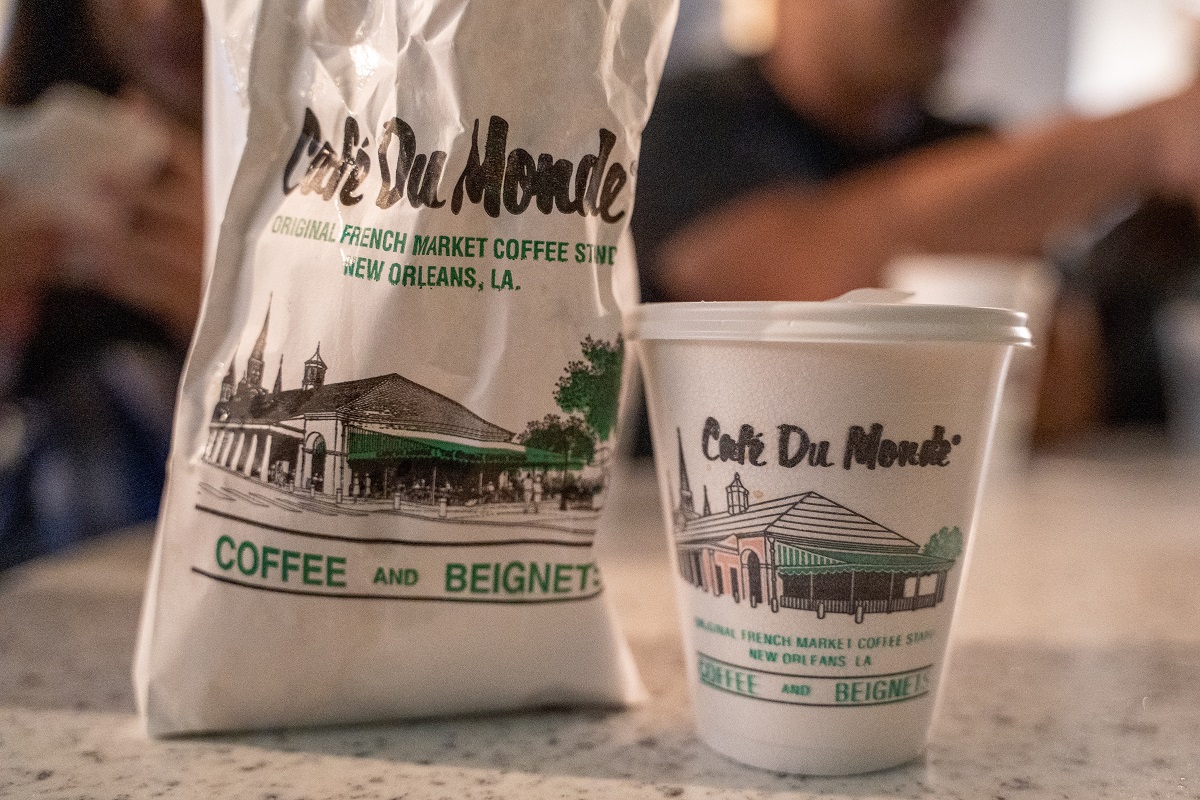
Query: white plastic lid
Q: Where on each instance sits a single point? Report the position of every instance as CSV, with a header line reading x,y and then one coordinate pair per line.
x,y
842,320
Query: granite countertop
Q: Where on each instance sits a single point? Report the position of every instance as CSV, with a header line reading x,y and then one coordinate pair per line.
x,y
1075,673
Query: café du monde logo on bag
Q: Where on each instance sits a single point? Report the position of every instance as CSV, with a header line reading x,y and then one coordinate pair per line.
x,y
807,552
495,177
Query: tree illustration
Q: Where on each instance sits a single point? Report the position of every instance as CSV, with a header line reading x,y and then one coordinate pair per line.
x,y
945,544
569,437
592,386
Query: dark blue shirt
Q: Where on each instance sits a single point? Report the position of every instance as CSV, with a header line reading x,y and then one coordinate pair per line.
x,y
85,430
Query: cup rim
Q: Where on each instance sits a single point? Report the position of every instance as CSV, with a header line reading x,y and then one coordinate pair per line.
x,y
831,321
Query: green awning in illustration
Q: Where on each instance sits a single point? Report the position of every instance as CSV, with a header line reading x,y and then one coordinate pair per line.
x,y
812,561
373,445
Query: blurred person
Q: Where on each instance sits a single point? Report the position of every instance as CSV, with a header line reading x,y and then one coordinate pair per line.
x,y
801,174
96,314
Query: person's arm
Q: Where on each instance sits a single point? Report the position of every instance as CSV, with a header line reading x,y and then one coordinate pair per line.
x,y
994,194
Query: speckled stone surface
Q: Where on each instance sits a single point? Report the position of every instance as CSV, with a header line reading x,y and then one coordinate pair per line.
x,y
1042,700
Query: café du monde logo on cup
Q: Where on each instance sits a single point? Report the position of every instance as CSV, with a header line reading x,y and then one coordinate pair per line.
x,y
805,551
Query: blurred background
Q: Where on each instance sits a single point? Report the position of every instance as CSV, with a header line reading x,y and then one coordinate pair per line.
x,y
1016,62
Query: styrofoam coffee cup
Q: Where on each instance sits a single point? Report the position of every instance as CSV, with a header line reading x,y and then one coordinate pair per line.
x,y
820,465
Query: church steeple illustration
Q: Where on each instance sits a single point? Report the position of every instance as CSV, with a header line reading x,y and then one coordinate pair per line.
x,y
229,382
687,504
279,377
252,382
707,507
314,371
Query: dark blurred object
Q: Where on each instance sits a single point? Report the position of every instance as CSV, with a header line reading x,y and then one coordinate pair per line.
x,y
87,428
1147,261
53,42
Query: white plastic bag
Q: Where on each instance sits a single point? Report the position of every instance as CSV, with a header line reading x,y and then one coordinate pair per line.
x,y
397,419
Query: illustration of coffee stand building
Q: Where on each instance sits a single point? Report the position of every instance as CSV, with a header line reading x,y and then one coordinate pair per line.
x,y
373,437
803,551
